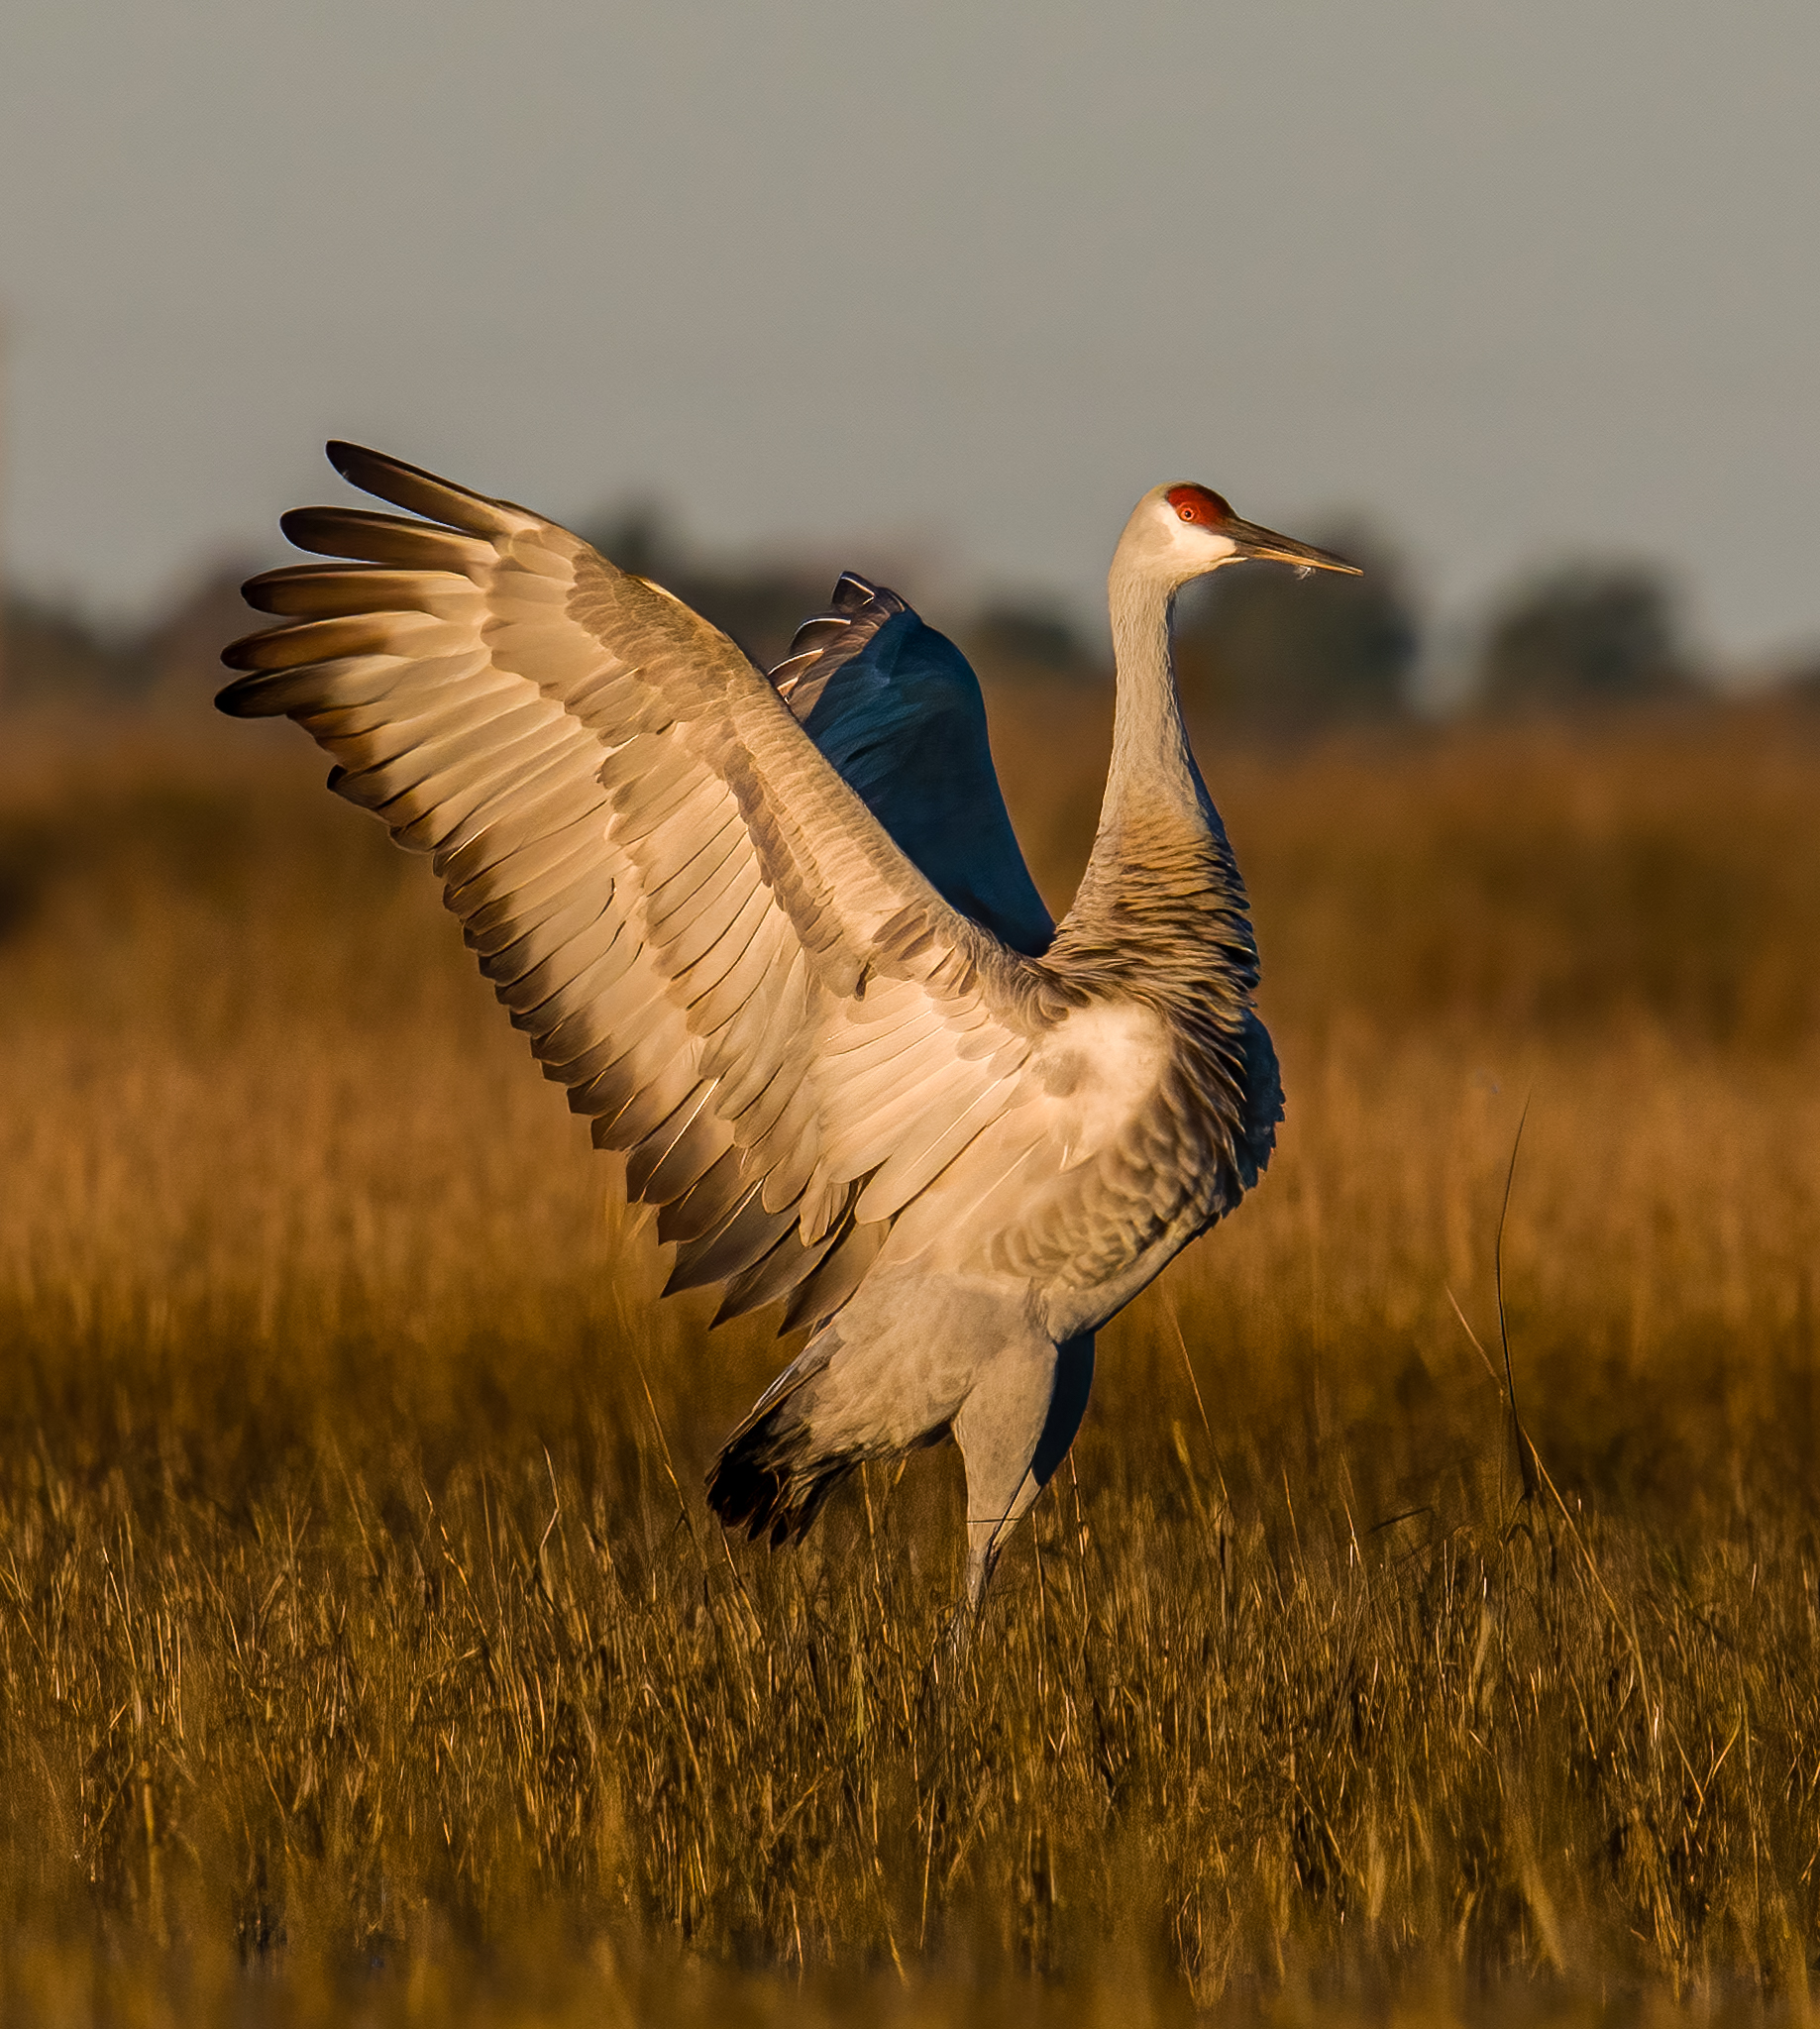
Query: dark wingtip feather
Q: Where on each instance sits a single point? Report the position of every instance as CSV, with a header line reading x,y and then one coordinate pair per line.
x,y
298,524
239,699
853,593
419,491
362,465
244,654
827,641
257,590
355,461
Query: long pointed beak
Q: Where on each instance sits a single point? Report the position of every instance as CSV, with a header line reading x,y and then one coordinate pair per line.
x,y
1272,548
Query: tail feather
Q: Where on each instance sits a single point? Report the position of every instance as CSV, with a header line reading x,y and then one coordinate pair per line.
x,y
800,1441
771,1476
767,1479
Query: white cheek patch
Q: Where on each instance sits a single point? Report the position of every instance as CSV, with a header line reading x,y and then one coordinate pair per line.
x,y
1205,550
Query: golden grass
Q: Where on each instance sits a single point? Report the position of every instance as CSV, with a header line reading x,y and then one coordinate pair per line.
x,y
366,1647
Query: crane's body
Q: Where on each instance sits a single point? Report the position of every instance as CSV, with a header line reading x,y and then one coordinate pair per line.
x,y
777,939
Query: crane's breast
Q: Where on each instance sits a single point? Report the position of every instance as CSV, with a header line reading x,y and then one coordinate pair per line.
x,y
1032,1188
1145,1148
1098,1071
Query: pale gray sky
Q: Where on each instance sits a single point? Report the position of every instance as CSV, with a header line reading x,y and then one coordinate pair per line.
x,y
1514,277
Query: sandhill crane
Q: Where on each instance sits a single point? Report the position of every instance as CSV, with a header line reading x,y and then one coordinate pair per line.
x,y
775,937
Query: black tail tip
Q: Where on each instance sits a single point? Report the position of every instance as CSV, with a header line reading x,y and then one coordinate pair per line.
x,y
750,1487
743,1493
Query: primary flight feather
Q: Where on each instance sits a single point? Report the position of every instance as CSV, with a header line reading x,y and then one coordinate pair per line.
x,y
775,937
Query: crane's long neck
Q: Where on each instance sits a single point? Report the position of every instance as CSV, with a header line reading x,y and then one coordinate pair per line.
x,y
1162,896
1152,770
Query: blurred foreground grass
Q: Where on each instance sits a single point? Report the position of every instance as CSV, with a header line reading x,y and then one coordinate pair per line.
x,y
366,1651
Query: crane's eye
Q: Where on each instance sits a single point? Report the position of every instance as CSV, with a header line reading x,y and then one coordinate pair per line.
x,y
1188,514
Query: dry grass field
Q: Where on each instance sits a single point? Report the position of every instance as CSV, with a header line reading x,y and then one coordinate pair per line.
x,y
366,1651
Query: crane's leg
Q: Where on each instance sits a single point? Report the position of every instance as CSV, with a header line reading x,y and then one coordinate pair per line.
x,y
1013,1429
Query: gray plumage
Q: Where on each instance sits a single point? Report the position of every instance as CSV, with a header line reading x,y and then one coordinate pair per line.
x,y
951,1157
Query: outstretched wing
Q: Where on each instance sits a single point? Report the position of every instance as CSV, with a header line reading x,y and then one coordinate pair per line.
x,y
896,709
707,935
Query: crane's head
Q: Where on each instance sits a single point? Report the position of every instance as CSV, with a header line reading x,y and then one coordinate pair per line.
x,y
1182,531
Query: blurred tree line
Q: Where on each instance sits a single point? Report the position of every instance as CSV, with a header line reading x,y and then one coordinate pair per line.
x,y
52,653
1258,650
